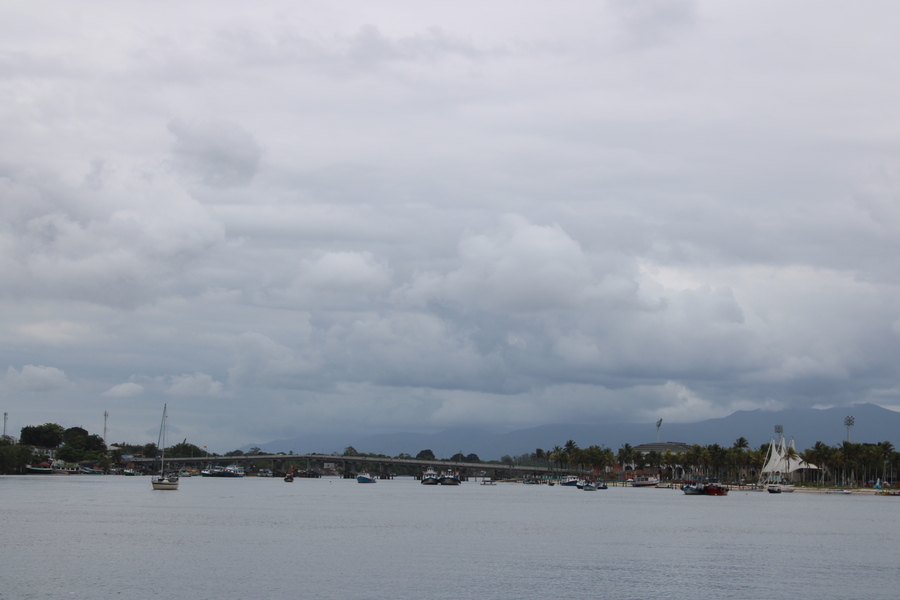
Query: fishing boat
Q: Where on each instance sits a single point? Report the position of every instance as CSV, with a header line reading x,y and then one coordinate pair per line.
x,y
163,481
773,489
570,481
589,486
365,477
39,469
715,489
64,469
429,477
449,477
694,488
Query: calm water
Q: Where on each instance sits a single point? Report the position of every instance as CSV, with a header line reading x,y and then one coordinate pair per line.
x,y
102,537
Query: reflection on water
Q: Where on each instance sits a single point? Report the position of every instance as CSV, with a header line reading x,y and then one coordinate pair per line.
x,y
112,537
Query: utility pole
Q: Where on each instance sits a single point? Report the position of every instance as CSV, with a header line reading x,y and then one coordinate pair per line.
x,y
105,416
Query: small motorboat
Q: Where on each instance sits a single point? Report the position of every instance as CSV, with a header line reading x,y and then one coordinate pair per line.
x,y
365,477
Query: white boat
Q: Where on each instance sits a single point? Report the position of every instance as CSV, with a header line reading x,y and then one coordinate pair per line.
x,y
163,481
233,470
449,477
365,477
570,481
589,486
487,481
64,469
429,477
644,482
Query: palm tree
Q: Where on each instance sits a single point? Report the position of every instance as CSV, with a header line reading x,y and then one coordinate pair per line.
x,y
558,455
790,454
625,457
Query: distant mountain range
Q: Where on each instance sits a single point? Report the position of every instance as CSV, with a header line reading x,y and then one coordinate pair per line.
x,y
807,426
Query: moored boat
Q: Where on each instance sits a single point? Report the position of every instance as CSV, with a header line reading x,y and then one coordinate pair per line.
x,y
39,469
365,477
163,481
570,481
429,477
449,477
715,489
64,469
693,488
232,470
644,482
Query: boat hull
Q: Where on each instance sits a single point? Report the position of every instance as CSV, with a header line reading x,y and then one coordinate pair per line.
x,y
164,483
35,470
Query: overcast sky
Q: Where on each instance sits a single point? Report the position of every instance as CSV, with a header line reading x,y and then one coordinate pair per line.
x,y
293,217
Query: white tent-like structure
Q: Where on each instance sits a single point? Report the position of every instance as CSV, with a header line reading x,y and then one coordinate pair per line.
x,y
777,466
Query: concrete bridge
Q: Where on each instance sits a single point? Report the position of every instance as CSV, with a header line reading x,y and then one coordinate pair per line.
x,y
348,464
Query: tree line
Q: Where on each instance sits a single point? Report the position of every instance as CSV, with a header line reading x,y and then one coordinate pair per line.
x,y
842,463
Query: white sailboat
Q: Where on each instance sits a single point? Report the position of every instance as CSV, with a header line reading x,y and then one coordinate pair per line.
x,y
163,481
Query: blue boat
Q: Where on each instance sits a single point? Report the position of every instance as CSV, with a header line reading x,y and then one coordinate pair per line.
x,y
365,477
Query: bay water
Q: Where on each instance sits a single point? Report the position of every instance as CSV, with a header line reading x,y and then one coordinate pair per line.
x,y
104,537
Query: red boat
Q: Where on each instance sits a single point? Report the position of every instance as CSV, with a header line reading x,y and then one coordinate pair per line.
x,y
715,489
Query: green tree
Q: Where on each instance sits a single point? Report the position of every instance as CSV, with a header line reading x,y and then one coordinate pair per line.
x,y
184,450
13,458
625,456
426,455
48,435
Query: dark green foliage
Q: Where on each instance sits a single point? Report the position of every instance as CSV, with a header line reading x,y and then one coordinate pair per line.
x,y
14,458
48,435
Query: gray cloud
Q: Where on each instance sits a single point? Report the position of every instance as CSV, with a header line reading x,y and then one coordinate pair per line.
x,y
218,153
355,220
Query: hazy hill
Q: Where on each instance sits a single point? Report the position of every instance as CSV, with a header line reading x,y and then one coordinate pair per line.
x,y
806,426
